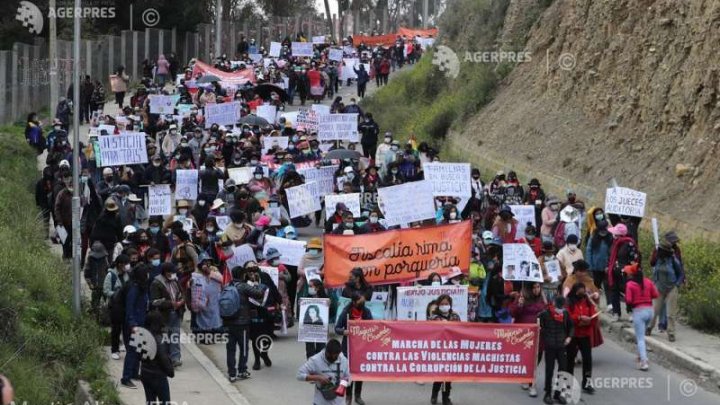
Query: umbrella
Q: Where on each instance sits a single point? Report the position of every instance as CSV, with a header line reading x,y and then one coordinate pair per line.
x,y
341,154
264,90
208,79
253,120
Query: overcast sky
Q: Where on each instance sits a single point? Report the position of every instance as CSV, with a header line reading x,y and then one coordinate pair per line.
x,y
320,6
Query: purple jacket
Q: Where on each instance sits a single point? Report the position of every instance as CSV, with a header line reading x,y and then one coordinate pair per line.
x,y
527,313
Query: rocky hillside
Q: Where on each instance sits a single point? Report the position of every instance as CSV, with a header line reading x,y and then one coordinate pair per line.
x,y
623,89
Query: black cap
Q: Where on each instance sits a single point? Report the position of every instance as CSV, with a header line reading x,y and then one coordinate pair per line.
x,y
580,265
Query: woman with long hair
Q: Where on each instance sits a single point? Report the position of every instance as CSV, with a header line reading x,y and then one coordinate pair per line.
x,y
526,308
582,312
639,294
355,310
443,312
357,284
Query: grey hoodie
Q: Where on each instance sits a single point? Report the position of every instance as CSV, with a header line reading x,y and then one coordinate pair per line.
x,y
318,364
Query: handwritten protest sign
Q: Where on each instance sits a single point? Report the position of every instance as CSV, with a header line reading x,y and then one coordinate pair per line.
x,y
520,263
413,302
161,104
336,55
279,141
625,201
399,209
398,256
302,49
307,119
302,201
242,175
159,200
454,351
272,272
291,251
222,221
267,111
184,109
324,177
222,114
449,179
351,201
128,148
338,127
275,49
314,320
186,184
523,214
241,255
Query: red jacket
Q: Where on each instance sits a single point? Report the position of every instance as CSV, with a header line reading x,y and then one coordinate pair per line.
x,y
616,245
583,307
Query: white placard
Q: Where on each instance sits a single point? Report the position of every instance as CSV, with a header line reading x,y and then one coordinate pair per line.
x,y
552,267
336,55
312,273
110,129
413,302
279,141
186,184
241,255
184,109
449,179
324,177
128,148
656,231
408,202
159,200
222,114
162,104
223,221
255,57
243,175
307,119
523,214
302,201
187,222
314,320
318,39
275,48
291,251
269,112
320,109
273,273
625,201
379,296
340,127
351,201
301,49
520,263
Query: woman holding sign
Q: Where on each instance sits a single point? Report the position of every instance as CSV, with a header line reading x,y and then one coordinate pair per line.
x,y
355,310
443,312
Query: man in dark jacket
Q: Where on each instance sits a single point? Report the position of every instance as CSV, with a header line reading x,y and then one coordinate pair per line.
x,y
369,130
167,298
63,215
157,369
556,330
362,78
238,327
107,228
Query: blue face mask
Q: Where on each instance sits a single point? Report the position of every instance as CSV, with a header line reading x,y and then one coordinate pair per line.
x,y
155,262
154,229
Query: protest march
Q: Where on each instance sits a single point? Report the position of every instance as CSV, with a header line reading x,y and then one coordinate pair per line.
x,y
213,204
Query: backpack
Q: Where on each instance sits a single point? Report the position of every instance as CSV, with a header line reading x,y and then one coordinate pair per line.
x,y
198,300
229,302
559,235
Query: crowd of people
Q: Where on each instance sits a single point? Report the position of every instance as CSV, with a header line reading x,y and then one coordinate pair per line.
x,y
150,271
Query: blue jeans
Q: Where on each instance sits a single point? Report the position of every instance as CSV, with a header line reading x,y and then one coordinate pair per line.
x,y
641,320
131,364
173,333
237,337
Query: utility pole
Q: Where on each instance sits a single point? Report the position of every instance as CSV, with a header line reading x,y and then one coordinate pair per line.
x,y
132,3
76,165
425,13
218,28
52,61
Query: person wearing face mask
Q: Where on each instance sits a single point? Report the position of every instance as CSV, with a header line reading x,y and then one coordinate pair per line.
x,y
505,225
594,216
201,210
337,218
107,184
582,312
313,258
272,259
348,226
549,218
63,214
434,280
357,284
247,203
453,216
597,252
260,186
556,331
167,298
394,155
535,196
444,313
277,213
327,370
153,259
209,176
227,194
567,255
121,196
315,290
355,310
373,223
158,239
238,230
107,229
393,176
623,252
170,142
550,287
569,224
136,304
383,149
531,239
157,173
182,213
205,285
195,144
117,276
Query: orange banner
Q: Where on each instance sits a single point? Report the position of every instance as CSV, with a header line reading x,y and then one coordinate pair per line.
x,y
411,33
398,256
384,40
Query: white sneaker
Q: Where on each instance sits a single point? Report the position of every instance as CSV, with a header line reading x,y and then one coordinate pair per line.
x,y
644,366
532,392
115,356
525,386
122,349
609,308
